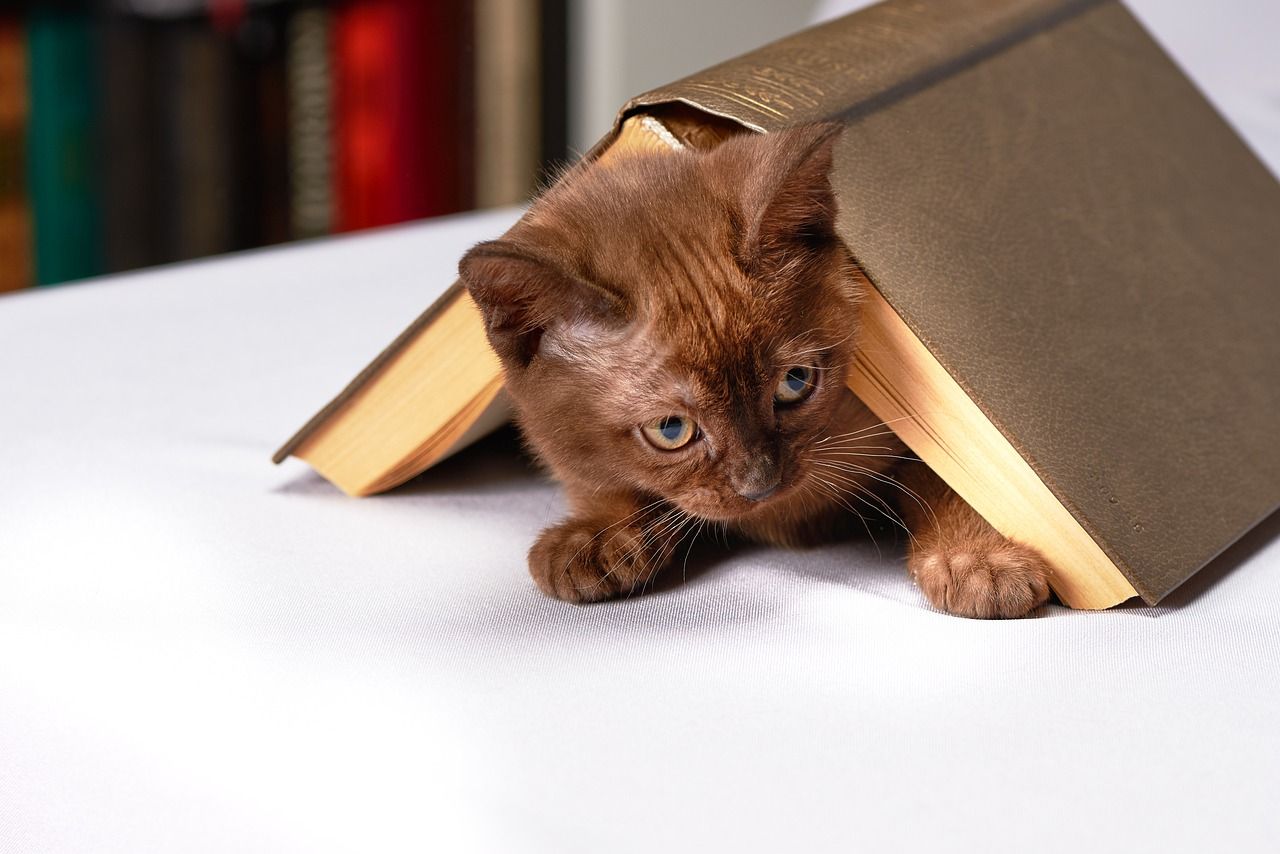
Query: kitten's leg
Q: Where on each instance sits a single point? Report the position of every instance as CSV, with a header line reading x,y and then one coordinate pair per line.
x,y
610,546
961,563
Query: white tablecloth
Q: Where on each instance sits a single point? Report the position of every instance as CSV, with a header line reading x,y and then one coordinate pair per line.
x,y
202,652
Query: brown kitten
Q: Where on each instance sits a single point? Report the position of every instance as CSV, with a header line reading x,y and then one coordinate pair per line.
x,y
675,332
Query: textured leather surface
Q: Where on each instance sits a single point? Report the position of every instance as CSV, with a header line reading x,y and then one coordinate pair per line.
x,y
1076,236
857,62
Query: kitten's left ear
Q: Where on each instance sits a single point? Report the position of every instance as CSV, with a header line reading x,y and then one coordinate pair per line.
x,y
788,201
521,293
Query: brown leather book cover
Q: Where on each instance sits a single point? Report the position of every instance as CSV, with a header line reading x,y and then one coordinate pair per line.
x,y
1074,235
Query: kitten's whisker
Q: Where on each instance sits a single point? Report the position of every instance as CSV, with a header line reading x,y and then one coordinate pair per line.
x,y
906,490
881,507
852,482
793,338
875,426
790,357
665,551
862,494
859,442
658,536
615,535
818,348
662,536
859,436
684,567
621,521
837,494
848,466
844,447
855,452
837,441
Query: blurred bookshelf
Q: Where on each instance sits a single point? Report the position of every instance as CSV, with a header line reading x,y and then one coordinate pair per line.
x,y
142,132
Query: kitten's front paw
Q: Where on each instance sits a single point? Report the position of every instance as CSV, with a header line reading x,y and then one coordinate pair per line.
x,y
997,581
580,561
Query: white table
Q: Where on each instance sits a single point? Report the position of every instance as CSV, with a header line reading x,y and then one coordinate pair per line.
x,y
202,652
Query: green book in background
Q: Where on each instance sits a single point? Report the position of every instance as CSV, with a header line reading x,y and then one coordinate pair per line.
x,y
61,170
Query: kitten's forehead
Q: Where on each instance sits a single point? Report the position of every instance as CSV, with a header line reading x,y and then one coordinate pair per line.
x,y
664,232
639,213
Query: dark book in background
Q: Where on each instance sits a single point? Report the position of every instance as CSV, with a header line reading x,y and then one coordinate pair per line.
x,y
263,132
128,145
261,103
446,83
553,85
61,137
15,225
310,111
198,162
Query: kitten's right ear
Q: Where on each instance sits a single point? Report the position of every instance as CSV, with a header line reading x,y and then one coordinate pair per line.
x,y
521,292
788,200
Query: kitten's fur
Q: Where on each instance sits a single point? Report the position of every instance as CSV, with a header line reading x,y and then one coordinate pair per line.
x,y
686,285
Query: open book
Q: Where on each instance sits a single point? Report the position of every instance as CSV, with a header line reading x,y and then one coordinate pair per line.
x,y
1075,281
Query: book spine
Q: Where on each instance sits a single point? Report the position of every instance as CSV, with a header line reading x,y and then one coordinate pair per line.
x,y
858,62
553,84
199,134
414,110
128,144
311,201
15,224
263,200
61,169
444,98
507,101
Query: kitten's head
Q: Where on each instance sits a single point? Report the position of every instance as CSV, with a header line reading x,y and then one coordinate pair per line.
x,y
681,324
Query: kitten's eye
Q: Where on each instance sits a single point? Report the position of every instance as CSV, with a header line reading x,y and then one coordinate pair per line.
x,y
796,384
670,433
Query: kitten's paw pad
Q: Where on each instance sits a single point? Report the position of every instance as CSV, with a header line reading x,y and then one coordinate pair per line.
x,y
1006,580
577,561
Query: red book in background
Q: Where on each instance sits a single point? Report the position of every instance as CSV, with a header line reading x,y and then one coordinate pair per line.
x,y
15,216
400,118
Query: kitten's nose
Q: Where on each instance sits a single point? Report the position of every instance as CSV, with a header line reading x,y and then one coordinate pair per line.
x,y
762,494
758,479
